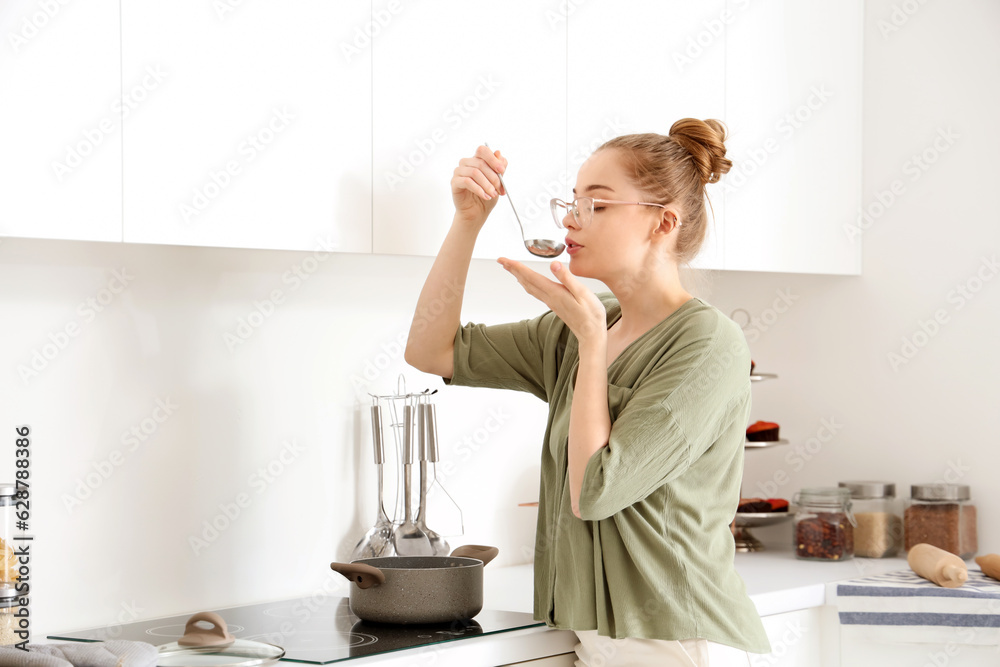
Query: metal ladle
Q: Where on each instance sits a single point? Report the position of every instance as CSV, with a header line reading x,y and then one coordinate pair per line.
x,y
537,247
377,541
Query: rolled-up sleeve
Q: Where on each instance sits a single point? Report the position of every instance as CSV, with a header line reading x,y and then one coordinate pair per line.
x,y
515,355
673,416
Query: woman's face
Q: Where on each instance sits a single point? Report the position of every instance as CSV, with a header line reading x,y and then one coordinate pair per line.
x,y
618,239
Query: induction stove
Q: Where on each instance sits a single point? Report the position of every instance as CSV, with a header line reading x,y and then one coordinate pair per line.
x,y
316,630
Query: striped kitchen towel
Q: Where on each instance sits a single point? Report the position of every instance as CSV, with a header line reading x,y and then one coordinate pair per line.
x,y
908,608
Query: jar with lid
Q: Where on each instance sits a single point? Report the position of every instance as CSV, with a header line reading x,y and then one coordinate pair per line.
x,y
879,529
942,515
824,524
9,597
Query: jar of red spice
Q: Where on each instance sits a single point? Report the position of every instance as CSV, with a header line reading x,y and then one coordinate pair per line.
x,y
824,524
942,515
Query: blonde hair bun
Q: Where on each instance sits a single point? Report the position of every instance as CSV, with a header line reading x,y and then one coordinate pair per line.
x,y
705,141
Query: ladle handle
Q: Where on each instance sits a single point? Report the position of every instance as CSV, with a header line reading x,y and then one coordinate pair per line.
x,y
504,185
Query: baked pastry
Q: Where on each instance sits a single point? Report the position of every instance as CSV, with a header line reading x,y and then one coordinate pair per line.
x,y
761,431
753,505
778,504
762,505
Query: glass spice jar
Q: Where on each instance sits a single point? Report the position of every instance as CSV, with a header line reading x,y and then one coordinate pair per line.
x,y
879,529
942,515
9,598
9,618
824,524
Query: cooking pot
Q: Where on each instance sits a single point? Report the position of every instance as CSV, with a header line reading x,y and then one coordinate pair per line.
x,y
418,589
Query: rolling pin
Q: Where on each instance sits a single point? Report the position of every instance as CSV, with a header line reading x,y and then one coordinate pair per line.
x,y
990,565
942,567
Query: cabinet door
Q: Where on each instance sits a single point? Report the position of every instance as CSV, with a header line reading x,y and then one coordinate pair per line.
x,y
448,78
259,134
638,66
60,142
793,87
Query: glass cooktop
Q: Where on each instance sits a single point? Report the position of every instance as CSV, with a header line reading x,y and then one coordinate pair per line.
x,y
316,630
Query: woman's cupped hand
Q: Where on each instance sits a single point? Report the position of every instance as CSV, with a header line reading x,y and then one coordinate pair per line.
x,y
568,298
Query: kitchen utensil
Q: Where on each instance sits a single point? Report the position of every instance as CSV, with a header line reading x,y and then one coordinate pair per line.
x,y
418,589
435,488
536,246
215,646
407,538
428,441
378,540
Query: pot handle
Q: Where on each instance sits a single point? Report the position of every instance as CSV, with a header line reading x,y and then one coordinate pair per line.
x,y
365,576
485,554
217,635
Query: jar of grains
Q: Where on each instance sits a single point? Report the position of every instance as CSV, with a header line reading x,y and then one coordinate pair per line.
x,y
9,595
10,616
824,524
942,515
879,530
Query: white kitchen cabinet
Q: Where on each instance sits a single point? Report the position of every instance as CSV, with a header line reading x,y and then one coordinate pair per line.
x,y
60,143
448,78
793,105
638,66
801,637
259,135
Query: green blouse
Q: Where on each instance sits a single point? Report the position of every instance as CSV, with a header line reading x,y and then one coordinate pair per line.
x,y
653,555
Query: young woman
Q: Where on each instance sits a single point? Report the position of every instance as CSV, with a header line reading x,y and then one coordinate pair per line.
x,y
649,396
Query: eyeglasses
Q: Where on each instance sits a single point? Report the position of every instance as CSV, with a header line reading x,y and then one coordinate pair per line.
x,y
583,209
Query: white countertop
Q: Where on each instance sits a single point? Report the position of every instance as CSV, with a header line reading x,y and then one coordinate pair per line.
x,y
776,580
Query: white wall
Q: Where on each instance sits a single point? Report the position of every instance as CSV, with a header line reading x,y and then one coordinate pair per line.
x,y
932,417
301,376
126,546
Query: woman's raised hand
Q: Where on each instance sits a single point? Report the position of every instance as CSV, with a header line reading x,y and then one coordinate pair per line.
x,y
475,186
